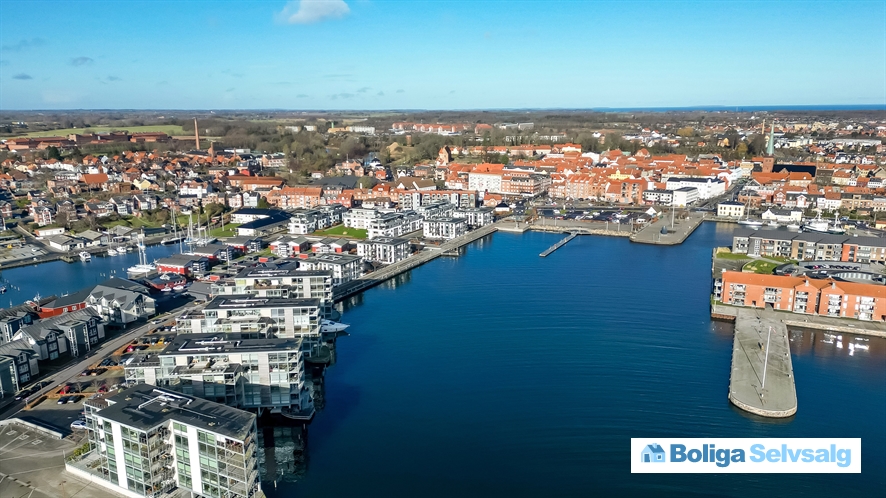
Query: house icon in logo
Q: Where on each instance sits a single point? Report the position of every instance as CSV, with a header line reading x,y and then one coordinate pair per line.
x,y
653,453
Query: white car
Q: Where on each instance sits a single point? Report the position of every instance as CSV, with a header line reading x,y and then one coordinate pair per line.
x,y
78,424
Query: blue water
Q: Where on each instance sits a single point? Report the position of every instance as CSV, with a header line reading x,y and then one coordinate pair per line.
x,y
500,373
59,278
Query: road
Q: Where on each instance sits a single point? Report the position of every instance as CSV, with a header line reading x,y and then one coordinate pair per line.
x,y
103,350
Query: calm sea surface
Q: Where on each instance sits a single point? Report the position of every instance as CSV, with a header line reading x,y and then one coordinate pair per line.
x,y
500,373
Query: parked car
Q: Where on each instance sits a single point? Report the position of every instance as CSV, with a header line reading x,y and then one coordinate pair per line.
x,y
63,400
78,425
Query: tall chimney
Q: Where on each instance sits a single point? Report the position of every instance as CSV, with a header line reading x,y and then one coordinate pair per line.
x,y
197,133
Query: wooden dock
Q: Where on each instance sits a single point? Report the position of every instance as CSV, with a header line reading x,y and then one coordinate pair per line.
x,y
558,245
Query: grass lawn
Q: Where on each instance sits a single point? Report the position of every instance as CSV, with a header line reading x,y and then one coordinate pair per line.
x,y
131,222
761,267
229,230
343,231
729,255
168,129
783,260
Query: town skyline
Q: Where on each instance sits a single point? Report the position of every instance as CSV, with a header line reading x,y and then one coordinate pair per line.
x,y
361,55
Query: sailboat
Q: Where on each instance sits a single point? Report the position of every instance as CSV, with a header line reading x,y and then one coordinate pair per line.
x,y
747,221
175,236
143,268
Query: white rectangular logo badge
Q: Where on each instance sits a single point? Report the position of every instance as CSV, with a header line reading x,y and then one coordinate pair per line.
x,y
745,455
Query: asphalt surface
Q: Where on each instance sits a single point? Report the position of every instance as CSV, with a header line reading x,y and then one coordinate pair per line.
x,y
72,372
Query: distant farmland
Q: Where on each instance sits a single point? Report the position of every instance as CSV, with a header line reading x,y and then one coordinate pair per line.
x,y
168,129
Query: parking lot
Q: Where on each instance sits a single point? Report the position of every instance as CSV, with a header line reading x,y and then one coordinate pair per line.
x,y
32,466
25,252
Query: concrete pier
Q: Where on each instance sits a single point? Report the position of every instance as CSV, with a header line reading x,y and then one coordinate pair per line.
x,y
677,233
778,398
558,245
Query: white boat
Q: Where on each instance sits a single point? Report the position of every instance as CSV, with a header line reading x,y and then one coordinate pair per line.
x,y
750,223
171,240
329,327
143,267
863,347
792,226
85,256
112,252
773,223
178,288
816,225
166,289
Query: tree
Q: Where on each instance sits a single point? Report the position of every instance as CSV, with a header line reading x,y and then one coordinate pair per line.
x,y
686,131
263,203
52,152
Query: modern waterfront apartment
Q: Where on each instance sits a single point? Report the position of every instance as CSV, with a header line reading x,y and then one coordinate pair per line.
x,y
475,217
824,297
444,228
394,224
255,318
344,267
280,280
809,246
18,365
147,441
256,374
385,250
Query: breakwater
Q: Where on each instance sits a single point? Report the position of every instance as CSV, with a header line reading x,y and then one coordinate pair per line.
x,y
761,379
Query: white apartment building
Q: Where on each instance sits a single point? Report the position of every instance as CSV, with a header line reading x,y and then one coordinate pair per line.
x,y
147,441
475,217
385,250
444,228
707,187
344,267
394,224
259,374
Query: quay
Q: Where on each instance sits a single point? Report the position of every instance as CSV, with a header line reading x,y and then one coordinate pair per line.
x,y
428,254
558,245
761,383
667,231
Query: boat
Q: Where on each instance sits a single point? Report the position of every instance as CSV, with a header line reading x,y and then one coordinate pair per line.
x,y
863,347
171,240
816,225
143,268
178,288
330,327
773,223
85,256
166,289
112,252
750,223
793,226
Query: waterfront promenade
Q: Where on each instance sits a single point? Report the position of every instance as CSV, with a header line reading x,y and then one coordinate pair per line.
x,y
428,254
770,392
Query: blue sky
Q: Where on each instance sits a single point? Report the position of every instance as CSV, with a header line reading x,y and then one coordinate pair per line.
x,y
398,54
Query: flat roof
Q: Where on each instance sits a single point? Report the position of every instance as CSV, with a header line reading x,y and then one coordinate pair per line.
x,y
145,407
205,344
250,301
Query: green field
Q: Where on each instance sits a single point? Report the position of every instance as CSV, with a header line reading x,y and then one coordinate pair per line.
x,y
761,267
729,255
229,230
343,231
168,129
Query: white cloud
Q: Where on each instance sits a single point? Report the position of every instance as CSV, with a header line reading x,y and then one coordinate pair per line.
x,y
311,11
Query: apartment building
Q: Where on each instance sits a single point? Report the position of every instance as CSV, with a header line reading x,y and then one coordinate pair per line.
x,y
475,217
256,317
385,250
344,267
280,280
444,228
809,246
18,365
256,374
804,295
147,441
394,224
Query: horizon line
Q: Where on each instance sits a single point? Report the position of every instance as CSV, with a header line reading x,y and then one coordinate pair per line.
x,y
727,108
